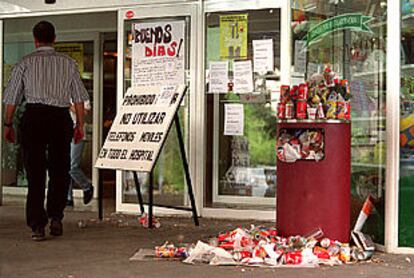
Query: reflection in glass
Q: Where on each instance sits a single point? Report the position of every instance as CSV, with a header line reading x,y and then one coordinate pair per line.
x,y
356,52
13,171
241,169
406,192
169,182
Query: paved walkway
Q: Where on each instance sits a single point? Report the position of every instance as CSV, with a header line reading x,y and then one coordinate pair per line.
x,y
103,250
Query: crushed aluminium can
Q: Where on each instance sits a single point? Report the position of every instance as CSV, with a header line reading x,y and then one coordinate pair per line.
x,y
281,110
301,106
303,92
289,110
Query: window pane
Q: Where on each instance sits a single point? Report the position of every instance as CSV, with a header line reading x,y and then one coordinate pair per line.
x,y
406,192
350,41
169,182
241,166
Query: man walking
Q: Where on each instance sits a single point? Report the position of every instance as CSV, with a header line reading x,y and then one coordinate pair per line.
x,y
76,172
48,82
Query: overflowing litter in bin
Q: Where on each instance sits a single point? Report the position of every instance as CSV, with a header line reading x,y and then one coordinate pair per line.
x,y
294,144
323,96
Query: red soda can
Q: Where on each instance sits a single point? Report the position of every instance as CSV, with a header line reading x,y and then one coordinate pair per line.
x,y
284,93
293,257
347,110
246,241
240,255
289,110
223,237
281,110
301,106
303,92
227,245
273,232
293,94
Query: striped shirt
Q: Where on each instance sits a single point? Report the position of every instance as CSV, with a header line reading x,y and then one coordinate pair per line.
x,y
46,77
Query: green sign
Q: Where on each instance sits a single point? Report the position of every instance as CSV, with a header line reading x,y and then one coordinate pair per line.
x,y
355,22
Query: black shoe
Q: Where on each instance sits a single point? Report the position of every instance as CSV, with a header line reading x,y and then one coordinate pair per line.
x,y
38,234
56,227
69,203
87,195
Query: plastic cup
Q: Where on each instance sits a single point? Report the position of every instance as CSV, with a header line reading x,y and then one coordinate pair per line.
x,y
311,113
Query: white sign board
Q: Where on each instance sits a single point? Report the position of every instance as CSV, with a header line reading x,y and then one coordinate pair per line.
x,y
263,56
140,128
158,53
219,77
243,77
233,119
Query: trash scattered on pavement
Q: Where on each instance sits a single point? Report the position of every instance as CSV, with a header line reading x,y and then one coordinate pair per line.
x,y
82,224
263,247
365,212
168,250
143,219
120,220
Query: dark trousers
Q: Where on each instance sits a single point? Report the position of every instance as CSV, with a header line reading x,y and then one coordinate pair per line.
x,y
46,133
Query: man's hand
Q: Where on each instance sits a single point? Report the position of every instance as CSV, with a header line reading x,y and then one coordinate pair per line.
x,y
78,134
8,124
9,134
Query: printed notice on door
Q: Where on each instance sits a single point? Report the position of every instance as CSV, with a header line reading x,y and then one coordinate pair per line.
x,y
243,77
219,78
263,56
233,119
140,128
158,54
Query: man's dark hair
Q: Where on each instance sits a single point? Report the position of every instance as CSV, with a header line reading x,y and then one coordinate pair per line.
x,y
44,32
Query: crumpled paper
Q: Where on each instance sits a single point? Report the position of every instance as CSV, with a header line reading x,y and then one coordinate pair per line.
x,y
209,254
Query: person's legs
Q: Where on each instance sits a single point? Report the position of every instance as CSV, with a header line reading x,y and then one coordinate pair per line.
x,y
76,172
33,144
69,198
69,201
60,135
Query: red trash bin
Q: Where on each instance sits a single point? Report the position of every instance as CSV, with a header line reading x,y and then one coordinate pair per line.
x,y
316,194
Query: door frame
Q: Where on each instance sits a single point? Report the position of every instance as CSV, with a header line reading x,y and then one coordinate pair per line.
x,y
95,38
285,61
155,12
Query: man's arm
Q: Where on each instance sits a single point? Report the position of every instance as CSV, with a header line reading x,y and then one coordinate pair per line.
x,y
80,112
8,123
13,95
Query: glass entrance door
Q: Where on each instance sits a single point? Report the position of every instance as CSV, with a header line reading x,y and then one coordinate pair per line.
x,y
83,53
81,44
148,38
